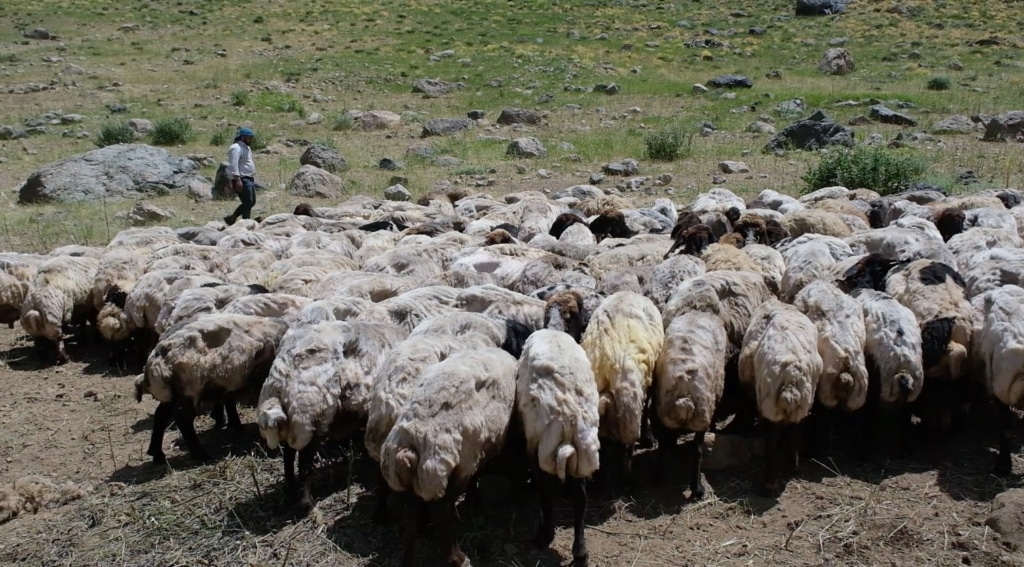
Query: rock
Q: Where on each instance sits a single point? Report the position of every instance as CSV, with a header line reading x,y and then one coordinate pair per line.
x,y
859,120
200,191
717,180
121,171
144,213
476,114
791,107
445,126
759,127
435,88
39,33
836,61
812,133
447,161
315,118
956,124
733,167
312,181
117,108
1007,126
323,157
609,89
379,120
757,30
955,65
1007,517
526,148
820,7
388,164
11,133
731,82
71,118
886,116
73,70
625,167
511,116
141,127
397,193
202,160
596,178
700,89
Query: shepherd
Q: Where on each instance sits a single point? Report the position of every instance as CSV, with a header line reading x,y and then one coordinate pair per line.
x,y
241,172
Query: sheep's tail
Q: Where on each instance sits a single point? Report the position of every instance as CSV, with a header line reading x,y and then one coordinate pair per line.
x,y
790,399
271,420
845,381
905,385
956,355
683,410
565,459
407,460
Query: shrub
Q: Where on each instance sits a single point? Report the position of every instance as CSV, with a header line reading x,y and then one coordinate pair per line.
x,y
939,84
278,102
240,98
115,133
172,131
342,122
667,145
877,168
221,137
258,142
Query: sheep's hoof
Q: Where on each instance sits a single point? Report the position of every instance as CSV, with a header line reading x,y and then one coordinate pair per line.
x,y
580,559
545,535
159,458
697,492
62,358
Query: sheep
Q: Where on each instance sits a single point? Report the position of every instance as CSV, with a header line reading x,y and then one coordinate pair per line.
x,y
415,306
892,354
16,274
280,305
969,246
215,359
689,380
669,274
456,421
775,201
812,221
375,287
557,405
611,223
319,386
733,296
61,293
804,264
340,309
623,341
770,264
208,298
494,300
994,268
998,350
899,243
779,363
717,200
719,257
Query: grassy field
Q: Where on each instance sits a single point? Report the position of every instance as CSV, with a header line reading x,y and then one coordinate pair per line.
x,y
272,64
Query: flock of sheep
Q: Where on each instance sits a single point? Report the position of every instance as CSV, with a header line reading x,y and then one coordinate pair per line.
x,y
552,334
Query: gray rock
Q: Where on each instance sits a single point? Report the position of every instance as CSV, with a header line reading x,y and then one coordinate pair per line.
x,y
609,89
859,120
73,70
200,191
388,164
596,178
141,126
794,106
1007,517
759,127
757,30
379,120
1007,126
12,133
812,133
526,147
476,114
446,126
836,61
625,167
447,161
323,157
956,124
397,193
144,213
71,118
315,118
887,116
955,65
700,89
311,181
511,116
435,88
121,171
820,7
39,33
731,82
733,167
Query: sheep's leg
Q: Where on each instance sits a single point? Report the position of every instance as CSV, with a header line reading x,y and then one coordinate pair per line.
x,y
867,427
579,510
547,489
62,355
443,512
217,415
234,422
906,429
769,482
288,456
793,446
185,417
627,468
1004,460
666,446
161,419
306,455
410,530
646,436
380,515
696,486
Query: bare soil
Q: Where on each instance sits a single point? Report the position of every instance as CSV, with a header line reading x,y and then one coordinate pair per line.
x,y
80,423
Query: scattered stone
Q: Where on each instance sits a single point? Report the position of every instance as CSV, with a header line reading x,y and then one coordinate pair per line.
x,y
609,89
314,118
446,126
521,169
791,107
435,88
956,124
623,168
859,120
820,7
397,193
836,61
812,133
202,160
71,118
11,133
312,181
596,178
52,59
955,65
122,171
700,89
39,33
144,213
141,127
757,30
117,108
1007,517
476,114
526,147
324,158
378,120
446,53
838,41
128,27
73,70
388,164
887,116
200,191
511,116
717,180
733,167
1007,126
759,127
731,82
773,75
967,177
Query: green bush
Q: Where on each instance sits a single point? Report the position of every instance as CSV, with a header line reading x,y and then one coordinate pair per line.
x,y
342,122
258,142
221,137
877,168
172,131
667,145
277,102
115,133
240,98
939,84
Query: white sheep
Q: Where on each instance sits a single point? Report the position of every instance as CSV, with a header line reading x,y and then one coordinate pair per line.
x,y
280,305
456,421
667,275
779,363
16,274
61,293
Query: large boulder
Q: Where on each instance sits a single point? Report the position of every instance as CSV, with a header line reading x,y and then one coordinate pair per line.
x,y
955,124
121,171
526,148
731,82
888,116
311,181
144,213
511,116
1008,126
812,133
820,7
323,157
836,61
379,120
435,87
446,126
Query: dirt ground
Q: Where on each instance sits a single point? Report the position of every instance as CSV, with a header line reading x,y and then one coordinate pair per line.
x,y
80,423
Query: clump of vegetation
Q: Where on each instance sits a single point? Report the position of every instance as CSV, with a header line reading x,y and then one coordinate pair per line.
x,y
172,131
277,102
939,84
115,133
877,168
667,145
240,97
342,122
221,137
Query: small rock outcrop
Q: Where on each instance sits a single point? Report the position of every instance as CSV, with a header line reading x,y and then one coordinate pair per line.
x,y
445,126
886,115
121,171
836,61
526,148
397,192
1007,126
956,124
733,167
820,7
379,120
311,181
812,133
435,87
144,213
323,157
731,82
510,116
1007,517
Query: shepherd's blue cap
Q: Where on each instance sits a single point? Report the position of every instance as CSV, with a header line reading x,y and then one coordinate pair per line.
x,y
245,132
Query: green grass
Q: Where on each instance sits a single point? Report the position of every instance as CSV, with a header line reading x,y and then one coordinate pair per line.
x,y
172,131
115,133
